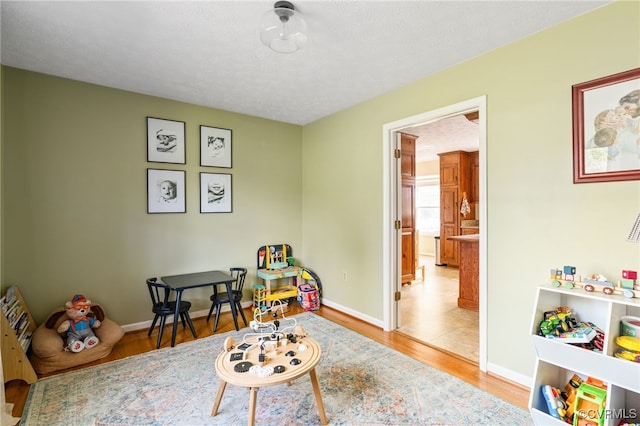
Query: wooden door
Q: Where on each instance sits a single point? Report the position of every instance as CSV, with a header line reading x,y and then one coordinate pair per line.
x,y
408,232
408,188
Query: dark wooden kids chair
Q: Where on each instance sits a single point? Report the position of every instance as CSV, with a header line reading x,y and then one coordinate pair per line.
x,y
162,308
219,299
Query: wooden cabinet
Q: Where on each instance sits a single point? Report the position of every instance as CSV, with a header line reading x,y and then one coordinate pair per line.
x,y
556,362
469,277
408,189
455,181
17,327
408,156
449,225
474,195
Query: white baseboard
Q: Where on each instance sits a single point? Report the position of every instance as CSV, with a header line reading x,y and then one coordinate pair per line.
x,y
193,314
359,315
511,375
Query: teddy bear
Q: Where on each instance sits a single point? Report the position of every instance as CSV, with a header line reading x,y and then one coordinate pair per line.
x,y
79,327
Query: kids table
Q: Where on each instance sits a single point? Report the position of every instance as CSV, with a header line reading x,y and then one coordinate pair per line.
x,y
307,352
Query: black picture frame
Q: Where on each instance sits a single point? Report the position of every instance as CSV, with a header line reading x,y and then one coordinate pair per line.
x,y
215,147
166,141
216,193
166,191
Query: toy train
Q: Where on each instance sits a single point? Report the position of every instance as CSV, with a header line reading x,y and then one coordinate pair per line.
x,y
566,277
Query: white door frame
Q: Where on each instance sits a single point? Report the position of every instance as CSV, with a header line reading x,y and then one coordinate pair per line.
x,y
391,241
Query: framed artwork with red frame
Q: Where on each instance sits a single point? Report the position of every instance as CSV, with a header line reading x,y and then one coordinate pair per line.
x,y
606,128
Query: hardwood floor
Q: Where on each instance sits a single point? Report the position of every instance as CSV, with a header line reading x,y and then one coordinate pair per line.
x,y
137,342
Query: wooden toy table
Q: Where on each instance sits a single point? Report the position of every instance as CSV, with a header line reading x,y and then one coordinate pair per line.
x,y
309,358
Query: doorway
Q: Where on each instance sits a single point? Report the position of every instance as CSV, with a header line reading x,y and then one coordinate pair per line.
x,y
392,286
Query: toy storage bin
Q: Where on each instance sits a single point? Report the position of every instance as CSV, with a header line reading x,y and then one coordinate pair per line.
x,y
308,297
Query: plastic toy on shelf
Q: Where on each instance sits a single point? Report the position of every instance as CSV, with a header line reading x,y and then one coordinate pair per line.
x,y
560,325
589,405
556,406
628,348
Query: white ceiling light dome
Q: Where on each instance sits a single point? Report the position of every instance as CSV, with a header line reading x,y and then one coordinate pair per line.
x,y
282,29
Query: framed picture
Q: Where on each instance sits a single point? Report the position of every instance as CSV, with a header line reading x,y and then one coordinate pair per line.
x,y
606,128
166,191
215,147
165,141
215,193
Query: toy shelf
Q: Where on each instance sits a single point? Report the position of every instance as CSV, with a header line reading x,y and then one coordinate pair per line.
x,y
557,362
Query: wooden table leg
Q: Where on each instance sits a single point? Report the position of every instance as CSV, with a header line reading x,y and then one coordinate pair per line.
x,y
253,396
316,391
216,404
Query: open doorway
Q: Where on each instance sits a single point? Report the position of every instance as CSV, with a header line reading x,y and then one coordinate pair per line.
x,y
392,287
431,310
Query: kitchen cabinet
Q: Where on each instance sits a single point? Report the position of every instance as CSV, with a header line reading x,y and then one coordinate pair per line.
x,y
469,276
455,182
474,195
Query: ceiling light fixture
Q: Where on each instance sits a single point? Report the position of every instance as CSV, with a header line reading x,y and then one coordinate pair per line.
x,y
282,29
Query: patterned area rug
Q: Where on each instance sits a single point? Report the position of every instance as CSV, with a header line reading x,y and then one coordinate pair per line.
x,y
362,383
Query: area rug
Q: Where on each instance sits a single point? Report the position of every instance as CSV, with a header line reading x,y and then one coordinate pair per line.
x,y
362,383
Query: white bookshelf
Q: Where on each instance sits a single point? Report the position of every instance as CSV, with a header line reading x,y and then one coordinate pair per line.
x,y
556,362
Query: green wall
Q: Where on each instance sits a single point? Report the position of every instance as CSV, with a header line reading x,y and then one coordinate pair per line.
x,y
75,213
536,217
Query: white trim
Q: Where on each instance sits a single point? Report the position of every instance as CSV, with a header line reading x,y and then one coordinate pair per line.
x,y
391,245
144,325
505,373
355,314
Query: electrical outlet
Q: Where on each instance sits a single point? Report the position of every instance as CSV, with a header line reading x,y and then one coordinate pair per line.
x,y
344,276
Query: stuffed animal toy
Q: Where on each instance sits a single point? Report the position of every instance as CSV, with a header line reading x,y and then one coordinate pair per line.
x,y
79,327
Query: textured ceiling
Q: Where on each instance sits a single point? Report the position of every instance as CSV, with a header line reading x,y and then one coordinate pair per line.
x,y
209,52
448,134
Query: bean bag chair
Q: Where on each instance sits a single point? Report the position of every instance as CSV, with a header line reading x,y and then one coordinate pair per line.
x,y
48,352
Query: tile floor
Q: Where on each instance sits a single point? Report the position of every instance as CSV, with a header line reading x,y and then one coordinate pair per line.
x,y
429,312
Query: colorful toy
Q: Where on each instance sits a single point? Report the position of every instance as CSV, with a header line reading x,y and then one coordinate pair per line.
x,y
79,327
630,275
274,256
583,333
589,406
569,395
556,406
628,348
567,278
597,343
557,321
